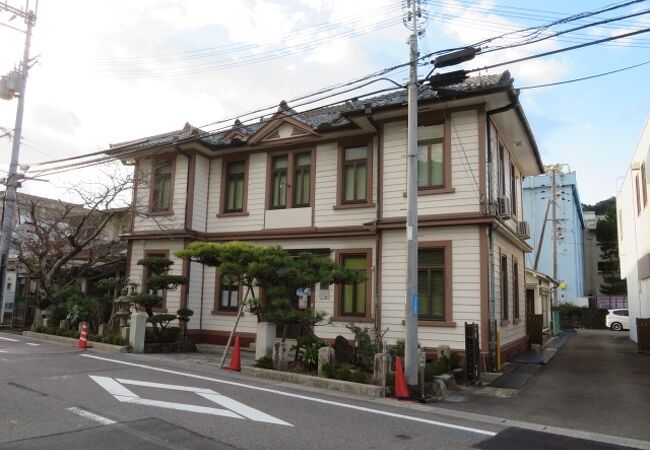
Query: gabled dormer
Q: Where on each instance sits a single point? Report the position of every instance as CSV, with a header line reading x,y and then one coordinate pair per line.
x,y
282,126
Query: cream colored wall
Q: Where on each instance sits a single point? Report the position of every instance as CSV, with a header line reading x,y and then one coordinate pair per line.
x,y
510,331
248,322
466,284
326,187
201,177
255,198
464,170
135,274
174,221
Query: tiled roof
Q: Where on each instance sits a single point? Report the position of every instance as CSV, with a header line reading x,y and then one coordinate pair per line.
x,y
331,117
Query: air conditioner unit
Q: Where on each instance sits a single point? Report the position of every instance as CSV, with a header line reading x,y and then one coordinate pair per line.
x,y
503,207
523,229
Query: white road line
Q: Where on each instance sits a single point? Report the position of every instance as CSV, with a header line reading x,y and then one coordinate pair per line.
x,y
298,396
31,343
113,387
91,416
180,407
246,411
172,387
8,339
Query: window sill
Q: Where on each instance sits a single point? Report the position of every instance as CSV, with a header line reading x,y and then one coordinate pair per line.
x,y
437,323
360,319
505,322
515,321
353,205
161,213
223,313
434,191
233,214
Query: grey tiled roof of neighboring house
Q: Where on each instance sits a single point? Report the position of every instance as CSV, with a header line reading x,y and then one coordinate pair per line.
x,y
330,117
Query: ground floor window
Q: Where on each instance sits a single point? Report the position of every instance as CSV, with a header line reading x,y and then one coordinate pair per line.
x,y
431,283
227,293
353,299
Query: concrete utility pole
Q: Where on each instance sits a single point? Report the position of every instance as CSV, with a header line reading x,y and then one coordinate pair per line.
x,y
9,211
411,357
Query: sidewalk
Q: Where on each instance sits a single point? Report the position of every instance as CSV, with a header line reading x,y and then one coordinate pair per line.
x,y
596,382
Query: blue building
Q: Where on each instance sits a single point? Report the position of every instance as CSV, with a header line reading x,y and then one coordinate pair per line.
x,y
570,228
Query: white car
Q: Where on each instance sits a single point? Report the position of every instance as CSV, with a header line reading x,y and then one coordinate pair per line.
x,y
618,319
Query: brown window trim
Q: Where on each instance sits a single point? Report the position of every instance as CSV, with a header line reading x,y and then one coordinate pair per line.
x,y
145,275
449,276
291,156
515,290
369,202
222,197
338,316
644,185
446,187
503,269
169,210
216,305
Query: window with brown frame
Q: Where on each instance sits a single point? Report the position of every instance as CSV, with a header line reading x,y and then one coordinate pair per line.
x,y
515,289
355,174
504,287
644,186
227,294
513,191
161,185
290,180
353,300
431,283
638,196
235,186
431,157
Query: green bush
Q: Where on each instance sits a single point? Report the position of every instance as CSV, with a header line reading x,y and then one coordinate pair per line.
x,y
438,366
169,335
265,362
343,373
55,313
310,355
359,376
330,370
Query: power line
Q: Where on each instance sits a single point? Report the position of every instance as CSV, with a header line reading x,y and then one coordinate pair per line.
x,y
552,52
584,78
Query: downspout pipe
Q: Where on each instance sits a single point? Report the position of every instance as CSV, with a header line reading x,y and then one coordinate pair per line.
x,y
492,332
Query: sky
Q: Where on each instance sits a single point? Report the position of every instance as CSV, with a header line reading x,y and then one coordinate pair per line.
x,y
111,71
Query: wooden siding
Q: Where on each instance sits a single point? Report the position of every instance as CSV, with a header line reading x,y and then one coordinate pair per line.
x,y
466,284
135,274
200,207
464,169
514,329
326,185
255,198
175,220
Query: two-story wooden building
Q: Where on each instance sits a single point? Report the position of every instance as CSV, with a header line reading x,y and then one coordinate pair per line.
x,y
333,180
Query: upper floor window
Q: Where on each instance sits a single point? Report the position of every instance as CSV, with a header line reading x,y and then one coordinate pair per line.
x,y
290,180
504,287
644,185
235,186
502,170
431,158
355,174
161,192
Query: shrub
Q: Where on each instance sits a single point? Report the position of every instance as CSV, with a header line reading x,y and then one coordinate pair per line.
x,y
330,370
265,362
343,373
55,313
442,364
359,376
364,348
310,355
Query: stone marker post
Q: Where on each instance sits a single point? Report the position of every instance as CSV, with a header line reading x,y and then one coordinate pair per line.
x,y
325,356
265,339
136,335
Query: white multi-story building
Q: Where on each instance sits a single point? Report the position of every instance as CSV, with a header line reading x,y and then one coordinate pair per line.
x,y
633,212
333,181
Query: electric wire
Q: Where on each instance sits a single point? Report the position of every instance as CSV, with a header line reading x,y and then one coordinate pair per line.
x,y
589,77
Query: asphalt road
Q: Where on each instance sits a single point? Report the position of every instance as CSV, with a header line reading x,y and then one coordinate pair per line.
x,y
54,396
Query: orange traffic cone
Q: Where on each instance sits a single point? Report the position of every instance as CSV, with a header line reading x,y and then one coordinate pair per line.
x,y
401,388
83,336
235,359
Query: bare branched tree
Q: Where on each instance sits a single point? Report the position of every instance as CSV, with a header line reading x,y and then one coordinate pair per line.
x,y
59,242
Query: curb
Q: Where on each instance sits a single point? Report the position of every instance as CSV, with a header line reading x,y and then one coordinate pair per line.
x,y
67,340
366,390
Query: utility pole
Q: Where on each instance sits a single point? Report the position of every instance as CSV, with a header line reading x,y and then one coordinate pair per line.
x,y
9,210
411,357
554,218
